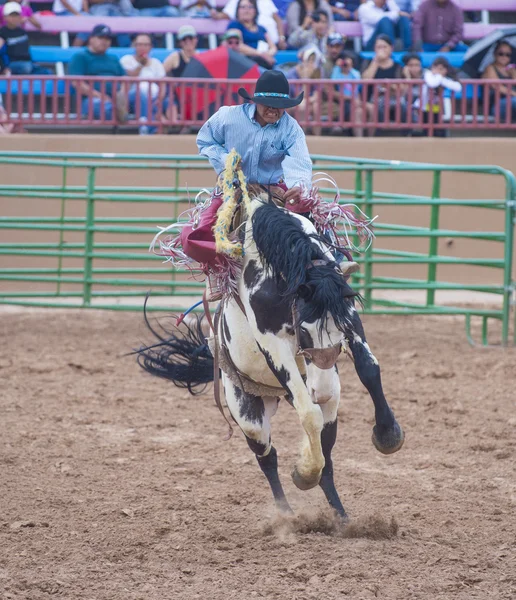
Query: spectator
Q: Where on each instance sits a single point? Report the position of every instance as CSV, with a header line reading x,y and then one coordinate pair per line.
x,y
140,64
313,32
299,14
253,35
176,62
344,71
307,68
382,17
233,39
502,69
267,17
439,27
441,76
334,47
68,8
154,8
16,41
382,66
345,10
95,61
197,9
26,13
412,69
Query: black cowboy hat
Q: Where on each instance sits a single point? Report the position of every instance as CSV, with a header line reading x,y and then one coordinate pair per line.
x,y
272,89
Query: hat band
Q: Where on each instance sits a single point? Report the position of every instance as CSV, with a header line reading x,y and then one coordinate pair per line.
x,y
271,94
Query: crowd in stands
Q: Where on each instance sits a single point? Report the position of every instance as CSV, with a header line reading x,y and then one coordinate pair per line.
x,y
258,29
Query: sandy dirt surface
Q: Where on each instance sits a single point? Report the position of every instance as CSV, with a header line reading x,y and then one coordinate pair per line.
x,y
118,486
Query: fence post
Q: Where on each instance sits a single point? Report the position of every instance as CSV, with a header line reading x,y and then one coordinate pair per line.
x,y
61,231
368,268
433,242
510,216
88,236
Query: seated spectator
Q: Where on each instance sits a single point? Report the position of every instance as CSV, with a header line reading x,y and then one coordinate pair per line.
x,y
307,68
197,9
334,47
299,14
140,64
253,35
16,41
344,71
345,10
382,17
233,39
154,8
412,69
95,61
176,62
68,8
438,26
313,32
502,69
441,76
26,13
386,101
267,17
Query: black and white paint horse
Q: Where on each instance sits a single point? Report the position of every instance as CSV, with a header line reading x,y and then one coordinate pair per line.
x,y
299,312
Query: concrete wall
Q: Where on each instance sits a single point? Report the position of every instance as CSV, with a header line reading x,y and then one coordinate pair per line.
x,y
496,151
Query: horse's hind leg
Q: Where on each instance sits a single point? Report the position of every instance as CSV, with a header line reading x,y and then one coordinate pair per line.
x,y
328,437
253,415
387,436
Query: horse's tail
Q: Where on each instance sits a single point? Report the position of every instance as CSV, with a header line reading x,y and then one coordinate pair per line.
x,y
181,355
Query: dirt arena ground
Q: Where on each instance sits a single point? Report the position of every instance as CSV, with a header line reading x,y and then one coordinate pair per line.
x,y
118,486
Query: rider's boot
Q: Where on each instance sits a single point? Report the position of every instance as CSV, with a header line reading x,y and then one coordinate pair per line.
x,y
348,266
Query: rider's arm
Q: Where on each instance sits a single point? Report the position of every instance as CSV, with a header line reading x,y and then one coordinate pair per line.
x,y
297,164
211,139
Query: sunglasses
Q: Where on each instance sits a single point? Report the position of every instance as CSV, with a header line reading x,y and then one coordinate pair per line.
x,y
509,54
233,42
187,37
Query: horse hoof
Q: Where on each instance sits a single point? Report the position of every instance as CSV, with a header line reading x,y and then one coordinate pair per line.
x,y
388,441
302,483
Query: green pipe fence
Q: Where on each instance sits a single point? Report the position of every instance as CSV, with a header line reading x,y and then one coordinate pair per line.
x,y
88,246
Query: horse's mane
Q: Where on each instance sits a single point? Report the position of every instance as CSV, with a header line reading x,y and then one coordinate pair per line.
x,y
287,251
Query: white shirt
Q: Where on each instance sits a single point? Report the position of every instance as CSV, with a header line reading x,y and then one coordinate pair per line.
x,y
58,6
266,8
153,70
369,15
435,80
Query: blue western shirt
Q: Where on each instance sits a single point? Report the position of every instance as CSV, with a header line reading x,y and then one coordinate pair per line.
x,y
269,154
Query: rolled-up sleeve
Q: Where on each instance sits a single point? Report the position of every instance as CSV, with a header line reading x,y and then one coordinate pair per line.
x,y
211,139
297,164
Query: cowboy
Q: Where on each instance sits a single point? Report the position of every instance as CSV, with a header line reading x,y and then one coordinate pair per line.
x,y
272,147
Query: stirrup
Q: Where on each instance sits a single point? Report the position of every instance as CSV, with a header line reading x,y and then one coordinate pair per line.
x,y
347,267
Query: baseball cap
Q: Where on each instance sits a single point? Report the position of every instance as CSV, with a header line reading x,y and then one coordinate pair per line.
x,y
313,51
12,7
186,31
101,31
334,39
232,33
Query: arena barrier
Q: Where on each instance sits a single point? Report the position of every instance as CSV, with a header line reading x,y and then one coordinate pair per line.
x,y
366,106
76,230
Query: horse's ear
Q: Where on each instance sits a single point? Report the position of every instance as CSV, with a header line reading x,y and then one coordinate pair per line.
x,y
305,291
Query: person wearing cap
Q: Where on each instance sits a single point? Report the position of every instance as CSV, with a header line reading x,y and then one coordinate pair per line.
x,y
334,46
232,39
94,61
313,32
308,68
26,14
14,41
176,62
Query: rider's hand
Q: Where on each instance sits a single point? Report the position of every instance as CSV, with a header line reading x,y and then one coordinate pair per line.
x,y
293,195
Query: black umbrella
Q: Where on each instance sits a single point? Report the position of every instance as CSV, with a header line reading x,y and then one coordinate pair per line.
x,y
481,54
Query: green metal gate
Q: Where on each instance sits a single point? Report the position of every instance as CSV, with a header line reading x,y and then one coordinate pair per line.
x,y
75,233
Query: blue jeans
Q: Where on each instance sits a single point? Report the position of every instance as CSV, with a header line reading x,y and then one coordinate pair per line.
x,y
401,29
144,106
162,11
427,47
27,67
97,102
504,107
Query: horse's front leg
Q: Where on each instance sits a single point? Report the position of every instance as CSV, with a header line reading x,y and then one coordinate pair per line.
x,y
388,436
280,358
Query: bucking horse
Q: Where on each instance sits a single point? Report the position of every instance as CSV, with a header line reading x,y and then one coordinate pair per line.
x,y
279,335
